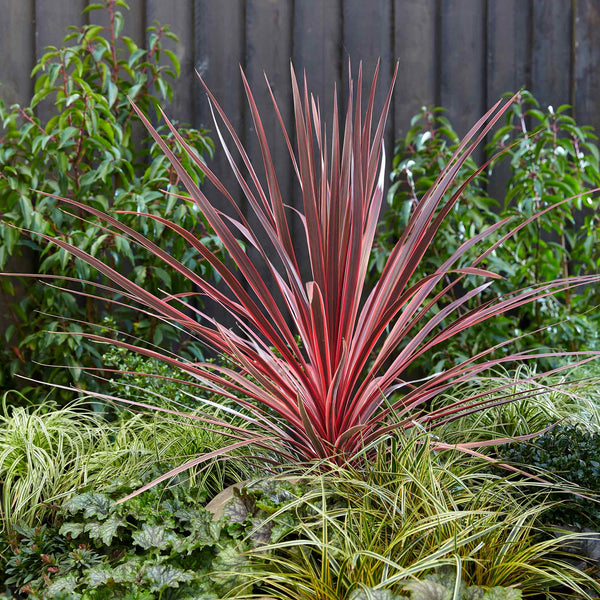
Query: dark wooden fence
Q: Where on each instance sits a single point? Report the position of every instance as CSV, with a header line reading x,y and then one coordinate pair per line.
x,y
461,54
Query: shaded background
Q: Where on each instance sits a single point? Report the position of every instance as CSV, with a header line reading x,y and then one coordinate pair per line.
x,y
461,54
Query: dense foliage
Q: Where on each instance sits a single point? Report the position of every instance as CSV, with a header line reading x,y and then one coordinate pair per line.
x,y
317,363
47,454
546,157
381,489
91,149
162,545
293,538
572,454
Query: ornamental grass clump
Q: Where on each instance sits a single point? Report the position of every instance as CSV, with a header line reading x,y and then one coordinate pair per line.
x,y
317,361
411,512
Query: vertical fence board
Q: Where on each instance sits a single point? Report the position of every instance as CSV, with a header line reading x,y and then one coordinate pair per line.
x,y
587,64
219,50
318,49
552,36
17,38
52,20
508,65
463,55
178,17
415,43
219,42
367,37
134,18
269,51
17,32
368,33
318,52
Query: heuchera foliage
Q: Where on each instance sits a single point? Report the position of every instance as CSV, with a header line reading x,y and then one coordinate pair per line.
x,y
316,364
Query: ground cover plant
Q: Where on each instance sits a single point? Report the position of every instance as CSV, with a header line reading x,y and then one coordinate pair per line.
x,y
548,156
162,545
540,402
412,512
331,378
91,149
415,515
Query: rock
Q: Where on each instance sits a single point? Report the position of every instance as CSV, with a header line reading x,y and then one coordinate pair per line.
x,y
217,505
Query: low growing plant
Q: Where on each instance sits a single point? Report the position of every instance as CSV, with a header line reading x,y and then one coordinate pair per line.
x,y
318,362
540,402
414,512
92,150
162,545
570,453
49,454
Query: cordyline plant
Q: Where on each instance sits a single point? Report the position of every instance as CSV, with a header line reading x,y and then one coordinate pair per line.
x,y
316,364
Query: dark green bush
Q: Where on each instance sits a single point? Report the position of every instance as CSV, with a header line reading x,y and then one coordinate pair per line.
x,y
549,158
573,454
93,151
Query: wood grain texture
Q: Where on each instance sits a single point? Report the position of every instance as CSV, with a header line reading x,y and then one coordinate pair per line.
x,y
17,38
551,49
269,51
52,20
318,48
415,49
219,53
462,64
587,63
179,18
368,28
508,56
508,65
134,18
368,37
317,52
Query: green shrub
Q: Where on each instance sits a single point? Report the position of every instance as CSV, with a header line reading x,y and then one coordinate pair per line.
x,y
549,158
138,378
91,150
572,454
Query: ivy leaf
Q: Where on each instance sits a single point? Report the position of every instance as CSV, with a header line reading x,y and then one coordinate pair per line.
x,y
152,536
228,568
97,576
72,529
92,504
502,593
104,530
200,523
422,590
162,577
64,585
128,572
